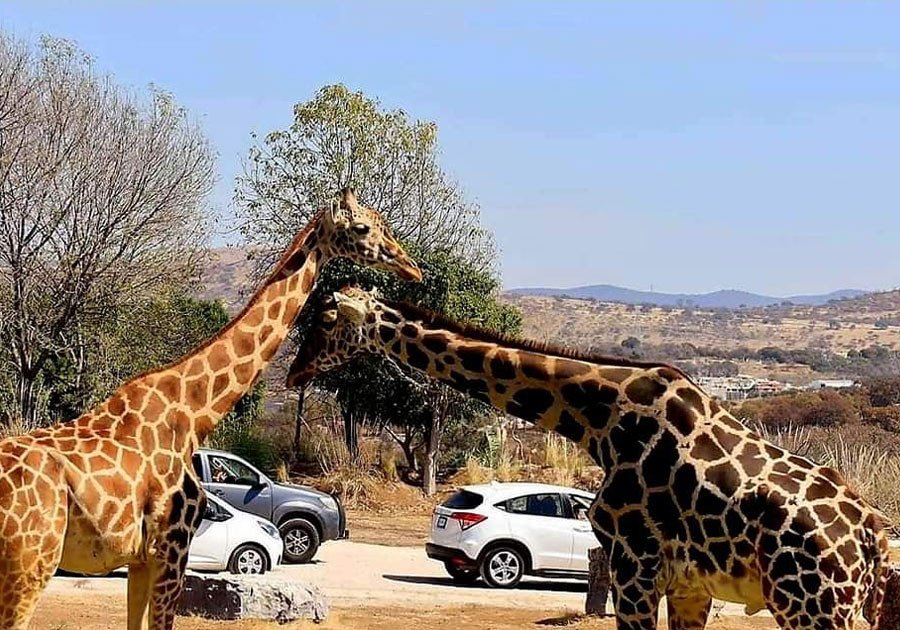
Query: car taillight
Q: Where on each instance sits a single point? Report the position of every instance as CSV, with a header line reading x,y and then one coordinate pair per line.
x,y
467,519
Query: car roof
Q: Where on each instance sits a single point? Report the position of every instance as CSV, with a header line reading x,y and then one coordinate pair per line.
x,y
495,489
215,451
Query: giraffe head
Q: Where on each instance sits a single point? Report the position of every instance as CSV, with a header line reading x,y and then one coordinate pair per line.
x,y
350,230
341,332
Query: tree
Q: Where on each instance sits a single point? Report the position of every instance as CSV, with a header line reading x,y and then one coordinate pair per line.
x,y
100,209
343,138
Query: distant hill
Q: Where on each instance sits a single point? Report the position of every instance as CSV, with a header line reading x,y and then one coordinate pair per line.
x,y
727,298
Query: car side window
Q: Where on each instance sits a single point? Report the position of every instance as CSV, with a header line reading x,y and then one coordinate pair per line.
x,y
536,505
230,471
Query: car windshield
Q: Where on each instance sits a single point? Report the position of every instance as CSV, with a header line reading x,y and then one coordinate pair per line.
x,y
463,500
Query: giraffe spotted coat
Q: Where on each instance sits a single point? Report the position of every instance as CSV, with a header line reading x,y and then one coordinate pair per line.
x,y
694,505
115,487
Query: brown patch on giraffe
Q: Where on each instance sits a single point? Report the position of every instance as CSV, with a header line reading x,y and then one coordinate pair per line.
x,y
197,392
135,394
245,372
204,425
265,332
254,317
131,462
169,386
532,365
290,311
565,369
831,475
116,406
221,383
751,459
244,343
195,368
154,408
644,390
786,482
275,310
218,358
680,415
821,489
615,375
728,441
706,449
148,440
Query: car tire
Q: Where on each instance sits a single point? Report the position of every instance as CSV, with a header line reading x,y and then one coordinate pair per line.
x,y
248,559
461,575
301,540
502,567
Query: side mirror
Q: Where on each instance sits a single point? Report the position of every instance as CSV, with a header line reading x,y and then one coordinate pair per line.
x,y
215,514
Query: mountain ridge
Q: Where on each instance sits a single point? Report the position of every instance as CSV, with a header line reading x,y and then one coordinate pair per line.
x,y
723,298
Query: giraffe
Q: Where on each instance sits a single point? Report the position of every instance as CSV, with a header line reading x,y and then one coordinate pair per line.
x,y
115,486
694,505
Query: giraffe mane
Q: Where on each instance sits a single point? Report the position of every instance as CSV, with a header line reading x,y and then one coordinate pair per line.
x,y
419,313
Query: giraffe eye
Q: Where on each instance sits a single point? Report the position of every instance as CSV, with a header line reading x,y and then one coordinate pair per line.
x,y
361,228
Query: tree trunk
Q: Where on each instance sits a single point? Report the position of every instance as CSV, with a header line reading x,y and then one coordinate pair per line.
x,y
432,448
299,421
351,432
27,399
598,582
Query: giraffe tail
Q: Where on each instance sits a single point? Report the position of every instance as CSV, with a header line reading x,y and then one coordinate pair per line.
x,y
877,545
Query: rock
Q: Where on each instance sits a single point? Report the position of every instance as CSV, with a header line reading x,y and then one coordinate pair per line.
x,y
598,582
229,597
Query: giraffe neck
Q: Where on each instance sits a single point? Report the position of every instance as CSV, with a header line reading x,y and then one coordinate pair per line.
x,y
197,391
579,400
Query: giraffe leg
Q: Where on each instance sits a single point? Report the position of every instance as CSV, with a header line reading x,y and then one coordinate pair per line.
x,y
688,611
139,586
635,595
33,509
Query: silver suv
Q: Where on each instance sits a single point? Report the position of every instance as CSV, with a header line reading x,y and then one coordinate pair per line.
x,y
304,516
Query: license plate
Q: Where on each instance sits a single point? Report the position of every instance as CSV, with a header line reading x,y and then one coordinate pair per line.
x,y
441,522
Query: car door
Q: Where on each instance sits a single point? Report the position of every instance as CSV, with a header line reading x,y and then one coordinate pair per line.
x,y
239,484
539,520
583,537
210,543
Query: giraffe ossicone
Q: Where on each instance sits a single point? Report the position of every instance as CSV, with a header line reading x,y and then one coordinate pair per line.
x,y
115,487
694,505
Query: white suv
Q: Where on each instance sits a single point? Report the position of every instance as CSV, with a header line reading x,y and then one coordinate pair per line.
x,y
503,531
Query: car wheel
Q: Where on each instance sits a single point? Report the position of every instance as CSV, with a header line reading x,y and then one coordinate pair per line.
x,y
301,540
502,567
248,560
460,574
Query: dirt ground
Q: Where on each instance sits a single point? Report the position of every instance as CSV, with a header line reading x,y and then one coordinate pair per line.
x,y
56,612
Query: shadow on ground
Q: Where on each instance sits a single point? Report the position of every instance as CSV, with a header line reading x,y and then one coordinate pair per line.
x,y
546,586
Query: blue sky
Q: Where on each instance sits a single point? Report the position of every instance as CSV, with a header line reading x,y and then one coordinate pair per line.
x,y
690,147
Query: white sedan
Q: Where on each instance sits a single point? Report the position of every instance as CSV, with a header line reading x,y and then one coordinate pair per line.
x,y
232,540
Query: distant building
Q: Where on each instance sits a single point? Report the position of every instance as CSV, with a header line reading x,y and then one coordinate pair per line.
x,y
837,383
740,387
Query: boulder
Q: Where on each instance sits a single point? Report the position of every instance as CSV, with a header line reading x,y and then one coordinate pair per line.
x,y
230,597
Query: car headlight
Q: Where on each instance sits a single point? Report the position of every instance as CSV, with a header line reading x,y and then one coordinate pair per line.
x,y
329,502
269,529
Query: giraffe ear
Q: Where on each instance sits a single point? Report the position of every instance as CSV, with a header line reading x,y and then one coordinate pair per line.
x,y
350,308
